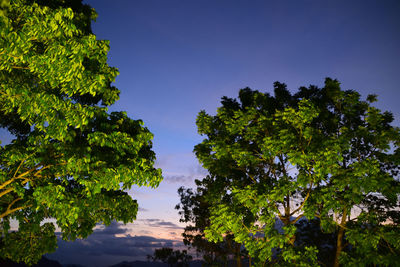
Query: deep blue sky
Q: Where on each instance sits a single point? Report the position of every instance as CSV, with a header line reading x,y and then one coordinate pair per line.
x,y
178,57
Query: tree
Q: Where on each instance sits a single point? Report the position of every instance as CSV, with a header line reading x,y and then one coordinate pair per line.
x,y
70,161
171,257
195,210
321,153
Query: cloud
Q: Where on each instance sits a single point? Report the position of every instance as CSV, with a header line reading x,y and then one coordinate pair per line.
x,y
183,179
97,244
143,209
167,224
198,171
113,229
150,220
144,232
106,246
160,223
180,168
177,179
194,172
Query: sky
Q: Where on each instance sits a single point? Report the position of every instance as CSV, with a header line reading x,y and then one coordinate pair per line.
x,y
177,58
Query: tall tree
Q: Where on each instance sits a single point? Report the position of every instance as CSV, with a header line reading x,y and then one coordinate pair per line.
x,y
322,153
70,159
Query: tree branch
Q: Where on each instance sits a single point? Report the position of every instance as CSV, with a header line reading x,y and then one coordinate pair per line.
x,y
5,192
2,186
279,212
19,166
298,218
36,174
13,202
9,211
18,67
305,199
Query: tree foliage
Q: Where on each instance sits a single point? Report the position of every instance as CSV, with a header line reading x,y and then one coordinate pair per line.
x,y
322,152
194,210
70,159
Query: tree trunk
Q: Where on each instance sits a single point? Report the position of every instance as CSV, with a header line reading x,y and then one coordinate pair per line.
x,y
339,242
238,258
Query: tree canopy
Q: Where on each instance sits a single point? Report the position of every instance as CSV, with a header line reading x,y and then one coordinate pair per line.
x,y
319,153
70,160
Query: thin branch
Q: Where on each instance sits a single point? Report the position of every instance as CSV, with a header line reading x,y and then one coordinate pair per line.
x,y
46,167
13,202
5,192
248,230
298,218
8,212
305,199
2,186
27,172
388,246
10,55
26,180
17,177
19,166
252,178
18,67
279,212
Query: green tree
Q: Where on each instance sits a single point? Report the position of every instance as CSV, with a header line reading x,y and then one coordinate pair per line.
x,y
194,210
322,153
70,160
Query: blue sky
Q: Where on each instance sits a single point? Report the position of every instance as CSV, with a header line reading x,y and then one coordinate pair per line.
x,y
178,57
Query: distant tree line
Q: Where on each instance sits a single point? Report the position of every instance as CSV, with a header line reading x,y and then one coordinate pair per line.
x,y
174,258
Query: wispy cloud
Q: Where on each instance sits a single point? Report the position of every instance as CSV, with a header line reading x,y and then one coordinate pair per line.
x,y
160,223
143,209
177,179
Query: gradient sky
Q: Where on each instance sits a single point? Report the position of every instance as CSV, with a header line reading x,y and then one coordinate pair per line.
x,y
178,57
